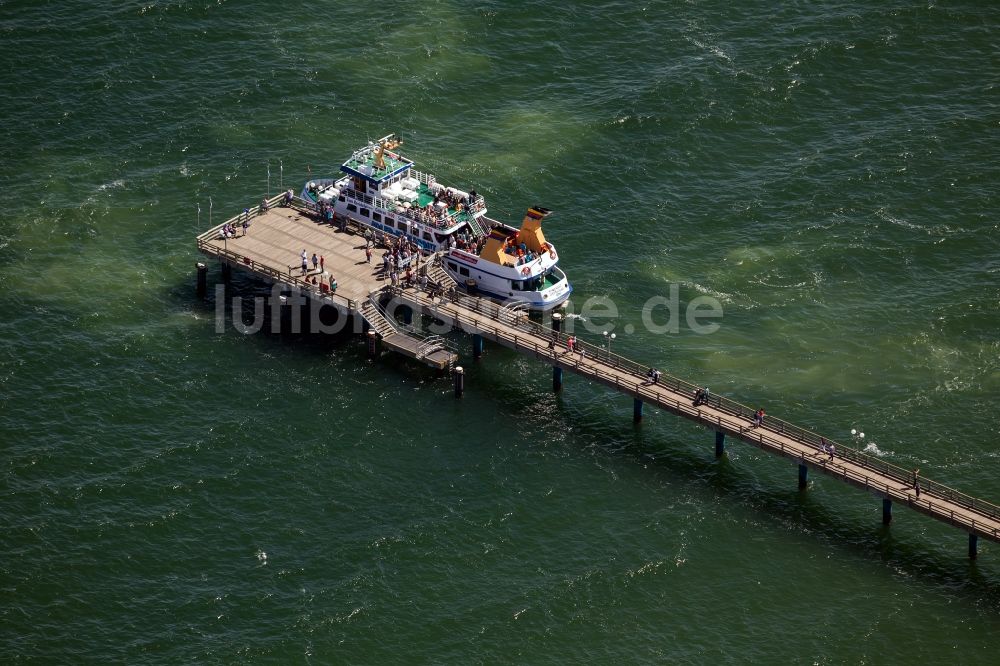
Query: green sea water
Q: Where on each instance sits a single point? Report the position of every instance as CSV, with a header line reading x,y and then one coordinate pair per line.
x,y
828,171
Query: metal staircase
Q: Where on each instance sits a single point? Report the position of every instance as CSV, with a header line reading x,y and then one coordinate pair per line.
x,y
476,224
437,274
433,350
377,319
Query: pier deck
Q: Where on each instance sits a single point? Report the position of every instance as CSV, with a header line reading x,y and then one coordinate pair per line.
x,y
276,239
272,250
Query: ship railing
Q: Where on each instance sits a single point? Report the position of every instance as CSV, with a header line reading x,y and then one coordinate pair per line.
x,y
771,426
374,202
425,178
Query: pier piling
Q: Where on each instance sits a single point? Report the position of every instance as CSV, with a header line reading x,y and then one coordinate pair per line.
x,y
459,381
557,372
636,410
886,511
372,344
803,477
202,285
973,545
477,346
720,443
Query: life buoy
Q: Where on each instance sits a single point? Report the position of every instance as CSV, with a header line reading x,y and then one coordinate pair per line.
x,y
525,271
552,253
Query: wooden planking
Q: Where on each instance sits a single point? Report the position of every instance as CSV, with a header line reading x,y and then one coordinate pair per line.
x,y
277,238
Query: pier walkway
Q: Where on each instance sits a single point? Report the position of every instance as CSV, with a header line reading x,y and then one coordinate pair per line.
x,y
726,417
271,252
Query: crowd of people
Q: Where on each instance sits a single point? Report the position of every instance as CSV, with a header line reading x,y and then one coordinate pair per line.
x,y
399,259
231,229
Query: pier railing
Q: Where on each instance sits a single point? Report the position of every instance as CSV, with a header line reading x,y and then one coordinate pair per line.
x,y
726,405
312,290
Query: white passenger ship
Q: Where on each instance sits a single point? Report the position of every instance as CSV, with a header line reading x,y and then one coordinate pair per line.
x,y
381,190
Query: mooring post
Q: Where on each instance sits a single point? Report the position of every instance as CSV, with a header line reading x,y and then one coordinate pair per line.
x,y
557,372
202,289
720,443
636,410
372,344
803,477
973,545
886,511
459,381
477,346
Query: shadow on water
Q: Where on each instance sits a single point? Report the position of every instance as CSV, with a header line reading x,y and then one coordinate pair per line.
x,y
317,329
648,444
802,510
665,445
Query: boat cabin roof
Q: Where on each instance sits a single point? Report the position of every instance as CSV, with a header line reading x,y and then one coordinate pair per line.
x,y
362,165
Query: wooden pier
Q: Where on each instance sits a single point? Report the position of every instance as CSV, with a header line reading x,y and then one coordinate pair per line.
x,y
271,251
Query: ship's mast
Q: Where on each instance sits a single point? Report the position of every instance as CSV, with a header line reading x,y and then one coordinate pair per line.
x,y
390,142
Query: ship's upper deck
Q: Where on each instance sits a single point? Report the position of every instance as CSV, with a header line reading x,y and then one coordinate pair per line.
x,y
364,163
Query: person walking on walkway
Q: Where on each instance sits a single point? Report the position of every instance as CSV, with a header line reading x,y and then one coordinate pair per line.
x,y
916,481
368,253
305,262
322,262
315,261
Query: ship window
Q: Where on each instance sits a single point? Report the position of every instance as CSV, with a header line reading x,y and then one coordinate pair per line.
x,y
365,212
463,271
341,198
452,266
352,208
377,217
427,236
517,285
